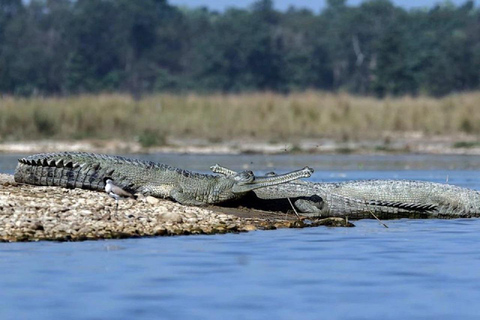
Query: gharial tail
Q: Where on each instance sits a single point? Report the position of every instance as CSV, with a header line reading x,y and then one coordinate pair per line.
x,y
60,171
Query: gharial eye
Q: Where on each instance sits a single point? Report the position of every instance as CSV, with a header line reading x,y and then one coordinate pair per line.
x,y
245,176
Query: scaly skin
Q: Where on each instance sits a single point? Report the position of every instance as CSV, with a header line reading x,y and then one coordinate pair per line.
x,y
387,199
89,170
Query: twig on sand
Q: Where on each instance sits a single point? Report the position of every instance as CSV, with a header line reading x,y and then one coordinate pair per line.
x,y
373,214
294,210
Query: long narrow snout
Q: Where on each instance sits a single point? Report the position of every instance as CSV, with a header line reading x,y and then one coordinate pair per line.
x,y
270,180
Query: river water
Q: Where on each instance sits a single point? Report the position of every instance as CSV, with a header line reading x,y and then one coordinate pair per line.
x,y
415,269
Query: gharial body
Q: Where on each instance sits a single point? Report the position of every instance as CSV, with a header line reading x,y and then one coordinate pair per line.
x,y
354,199
90,171
387,199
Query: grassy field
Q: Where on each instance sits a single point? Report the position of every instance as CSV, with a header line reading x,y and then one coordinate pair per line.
x,y
263,116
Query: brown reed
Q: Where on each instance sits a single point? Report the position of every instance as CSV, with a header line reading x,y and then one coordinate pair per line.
x,y
264,116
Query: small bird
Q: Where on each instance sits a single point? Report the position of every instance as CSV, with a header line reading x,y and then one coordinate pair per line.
x,y
116,192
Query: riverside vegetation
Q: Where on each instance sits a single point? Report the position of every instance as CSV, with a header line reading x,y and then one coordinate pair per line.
x,y
268,117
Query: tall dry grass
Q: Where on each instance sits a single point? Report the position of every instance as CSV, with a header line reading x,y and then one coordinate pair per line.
x,y
266,116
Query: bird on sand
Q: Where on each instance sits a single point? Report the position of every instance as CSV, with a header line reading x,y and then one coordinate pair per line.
x,y
116,192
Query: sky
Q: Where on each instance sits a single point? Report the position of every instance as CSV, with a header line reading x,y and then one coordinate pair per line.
x,y
315,6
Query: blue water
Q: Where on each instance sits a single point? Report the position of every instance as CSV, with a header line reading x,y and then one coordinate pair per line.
x,y
415,269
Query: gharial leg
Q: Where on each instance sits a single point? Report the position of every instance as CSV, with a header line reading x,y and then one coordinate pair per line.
x,y
178,195
312,206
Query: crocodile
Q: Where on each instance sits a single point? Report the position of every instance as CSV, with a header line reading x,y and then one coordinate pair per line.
x,y
90,171
386,199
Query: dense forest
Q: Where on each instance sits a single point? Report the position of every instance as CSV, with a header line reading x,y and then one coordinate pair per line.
x,y
62,47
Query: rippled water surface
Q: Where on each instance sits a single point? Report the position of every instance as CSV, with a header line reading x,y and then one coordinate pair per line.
x,y
415,269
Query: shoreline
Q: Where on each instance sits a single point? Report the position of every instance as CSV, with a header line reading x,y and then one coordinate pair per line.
x,y
405,143
37,213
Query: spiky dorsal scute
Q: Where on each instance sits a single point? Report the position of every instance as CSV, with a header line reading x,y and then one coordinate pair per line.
x,y
48,160
421,207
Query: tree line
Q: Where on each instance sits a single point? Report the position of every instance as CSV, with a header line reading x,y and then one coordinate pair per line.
x,y
61,47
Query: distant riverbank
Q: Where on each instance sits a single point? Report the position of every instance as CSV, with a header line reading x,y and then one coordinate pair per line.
x,y
464,144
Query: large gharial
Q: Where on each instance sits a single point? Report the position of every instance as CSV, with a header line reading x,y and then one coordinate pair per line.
x,y
89,171
386,199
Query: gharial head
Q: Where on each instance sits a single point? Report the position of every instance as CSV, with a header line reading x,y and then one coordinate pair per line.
x,y
246,181
244,177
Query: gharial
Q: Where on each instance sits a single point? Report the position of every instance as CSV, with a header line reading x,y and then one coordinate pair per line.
x,y
387,199
90,170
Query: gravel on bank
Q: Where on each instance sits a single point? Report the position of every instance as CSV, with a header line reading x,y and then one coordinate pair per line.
x,y
33,213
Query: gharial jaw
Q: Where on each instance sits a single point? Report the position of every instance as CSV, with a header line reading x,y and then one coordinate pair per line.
x,y
246,181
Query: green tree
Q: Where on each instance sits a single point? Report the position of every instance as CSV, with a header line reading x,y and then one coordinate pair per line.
x,y
11,13
94,59
64,46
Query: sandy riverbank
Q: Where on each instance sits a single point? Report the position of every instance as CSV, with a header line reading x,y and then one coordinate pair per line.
x,y
405,143
32,213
